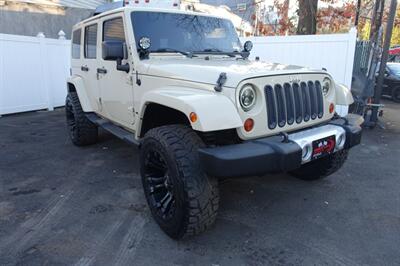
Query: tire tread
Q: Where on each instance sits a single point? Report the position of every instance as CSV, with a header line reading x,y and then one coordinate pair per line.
x,y
201,192
86,132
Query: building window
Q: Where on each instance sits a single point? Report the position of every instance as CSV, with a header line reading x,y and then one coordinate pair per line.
x,y
76,44
91,41
241,7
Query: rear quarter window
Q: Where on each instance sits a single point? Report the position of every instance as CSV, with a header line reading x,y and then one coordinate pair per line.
x,y
91,41
76,44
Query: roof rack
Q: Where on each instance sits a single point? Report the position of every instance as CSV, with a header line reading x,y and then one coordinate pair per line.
x,y
107,7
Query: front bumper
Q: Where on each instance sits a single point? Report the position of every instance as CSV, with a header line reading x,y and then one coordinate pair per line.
x,y
272,154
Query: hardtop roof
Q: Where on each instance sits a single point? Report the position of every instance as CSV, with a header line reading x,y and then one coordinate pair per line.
x,y
147,9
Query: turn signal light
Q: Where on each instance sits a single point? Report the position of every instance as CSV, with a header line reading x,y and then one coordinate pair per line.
x,y
331,108
193,117
248,124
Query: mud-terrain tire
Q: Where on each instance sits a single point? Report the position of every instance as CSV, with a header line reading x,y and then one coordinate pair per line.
x,y
182,198
321,168
396,94
81,130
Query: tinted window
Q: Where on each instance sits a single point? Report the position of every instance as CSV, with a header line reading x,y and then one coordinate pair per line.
x,y
91,41
185,32
113,30
76,44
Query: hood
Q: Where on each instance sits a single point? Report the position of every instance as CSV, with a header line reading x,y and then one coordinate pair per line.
x,y
207,71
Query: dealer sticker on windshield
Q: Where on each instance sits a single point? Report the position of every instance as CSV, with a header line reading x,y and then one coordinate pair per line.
x,y
323,147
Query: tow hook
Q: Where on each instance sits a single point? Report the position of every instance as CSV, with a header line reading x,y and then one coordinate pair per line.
x,y
285,137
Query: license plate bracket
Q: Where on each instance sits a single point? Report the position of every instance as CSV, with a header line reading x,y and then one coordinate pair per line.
x,y
323,147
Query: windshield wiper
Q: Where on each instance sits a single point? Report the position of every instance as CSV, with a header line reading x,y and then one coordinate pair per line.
x,y
170,50
217,51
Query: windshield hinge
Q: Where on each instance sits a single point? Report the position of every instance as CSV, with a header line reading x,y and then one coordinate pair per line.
x,y
220,82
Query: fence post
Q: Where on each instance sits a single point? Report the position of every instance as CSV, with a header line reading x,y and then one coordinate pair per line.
x,y
2,72
351,48
61,35
45,70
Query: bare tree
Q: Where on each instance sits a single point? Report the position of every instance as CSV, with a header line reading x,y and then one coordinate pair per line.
x,y
307,17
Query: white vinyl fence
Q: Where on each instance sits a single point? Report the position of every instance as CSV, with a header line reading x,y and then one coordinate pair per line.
x,y
33,70
335,52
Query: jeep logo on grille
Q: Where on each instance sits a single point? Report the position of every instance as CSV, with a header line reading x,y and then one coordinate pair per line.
x,y
294,79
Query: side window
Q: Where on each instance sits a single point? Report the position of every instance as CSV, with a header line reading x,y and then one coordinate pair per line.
x,y
76,44
91,41
113,30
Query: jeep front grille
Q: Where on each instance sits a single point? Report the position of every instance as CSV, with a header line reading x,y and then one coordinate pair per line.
x,y
290,103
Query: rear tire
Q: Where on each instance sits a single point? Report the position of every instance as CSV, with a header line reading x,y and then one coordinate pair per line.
x,y
321,168
396,94
182,198
81,130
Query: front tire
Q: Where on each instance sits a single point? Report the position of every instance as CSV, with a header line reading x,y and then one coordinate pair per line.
x,y
396,94
81,130
321,168
182,198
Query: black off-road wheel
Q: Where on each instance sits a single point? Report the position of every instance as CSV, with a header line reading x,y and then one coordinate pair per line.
x,y
321,168
182,198
81,130
396,94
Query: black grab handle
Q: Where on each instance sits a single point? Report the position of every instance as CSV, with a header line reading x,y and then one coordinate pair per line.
x,y
102,71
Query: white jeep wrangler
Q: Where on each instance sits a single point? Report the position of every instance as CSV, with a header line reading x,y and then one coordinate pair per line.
x,y
180,86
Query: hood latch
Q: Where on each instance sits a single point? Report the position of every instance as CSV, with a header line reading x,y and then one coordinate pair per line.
x,y
220,82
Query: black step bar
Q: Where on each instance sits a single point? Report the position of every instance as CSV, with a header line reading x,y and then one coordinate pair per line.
x,y
113,129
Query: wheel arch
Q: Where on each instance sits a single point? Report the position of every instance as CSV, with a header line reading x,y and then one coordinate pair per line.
x,y
156,115
76,84
214,111
343,95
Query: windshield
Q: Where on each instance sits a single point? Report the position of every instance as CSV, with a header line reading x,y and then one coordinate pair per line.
x,y
185,32
395,69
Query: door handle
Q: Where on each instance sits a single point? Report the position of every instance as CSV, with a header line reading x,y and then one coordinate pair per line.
x,y
84,68
102,71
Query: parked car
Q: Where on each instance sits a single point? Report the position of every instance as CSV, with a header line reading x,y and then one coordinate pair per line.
x,y
180,85
391,83
394,54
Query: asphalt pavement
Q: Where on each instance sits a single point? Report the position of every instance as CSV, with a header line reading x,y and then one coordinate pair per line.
x,y
66,205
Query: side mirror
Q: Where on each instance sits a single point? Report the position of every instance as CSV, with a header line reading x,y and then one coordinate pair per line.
x,y
115,51
112,50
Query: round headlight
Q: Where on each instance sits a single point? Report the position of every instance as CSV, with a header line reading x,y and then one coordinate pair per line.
x,y
326,86
247,97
